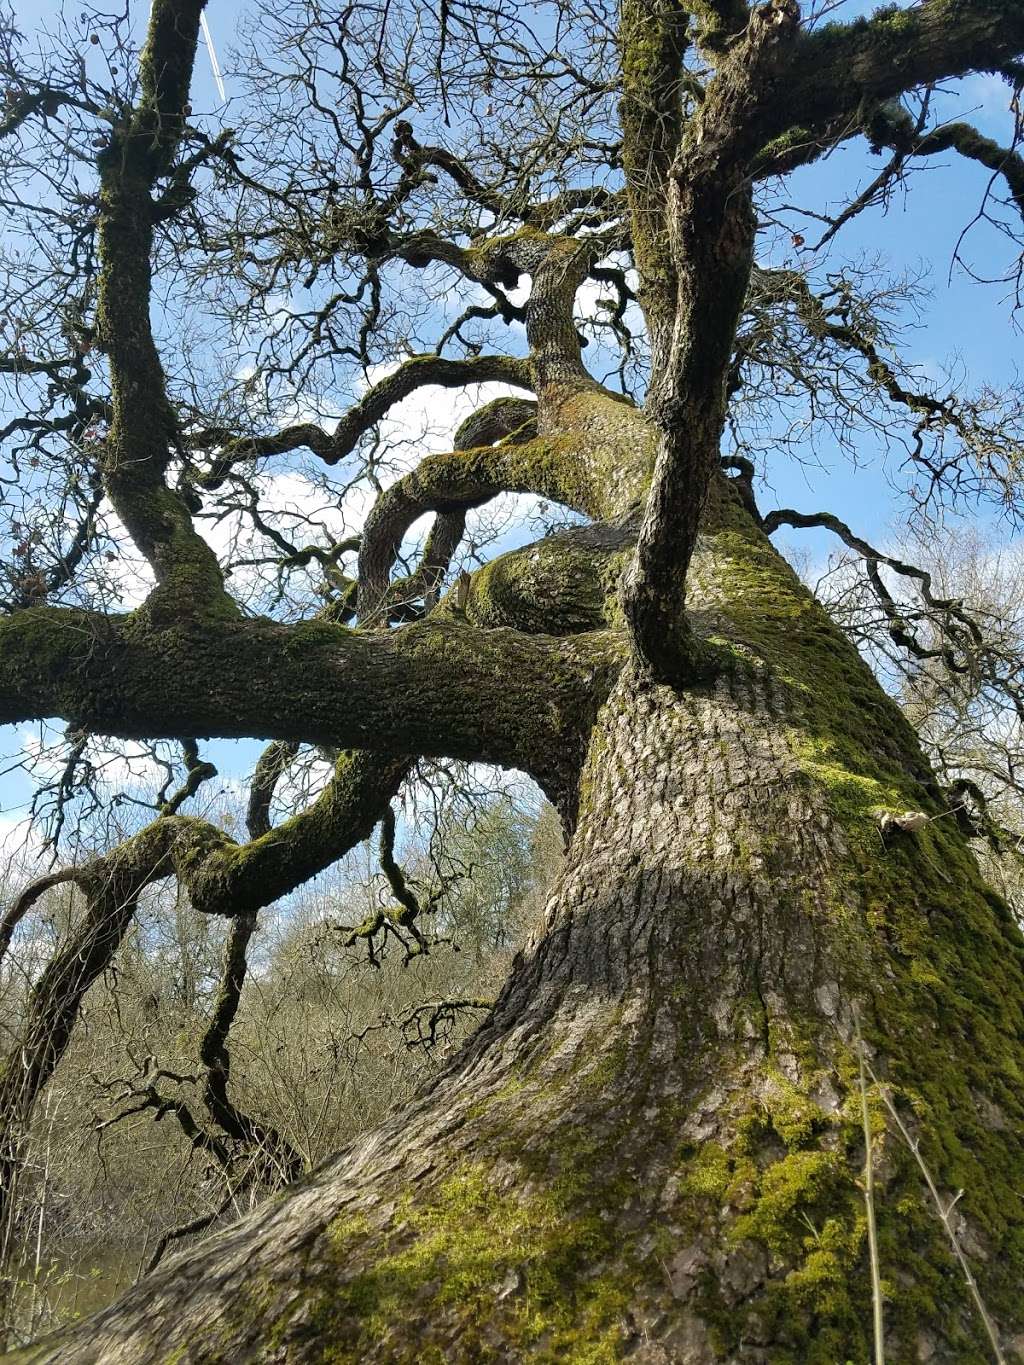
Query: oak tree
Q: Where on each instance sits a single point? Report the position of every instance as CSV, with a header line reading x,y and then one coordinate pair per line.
x,y
755,1091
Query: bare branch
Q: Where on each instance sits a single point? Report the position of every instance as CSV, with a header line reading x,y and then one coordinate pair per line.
x,y
332,448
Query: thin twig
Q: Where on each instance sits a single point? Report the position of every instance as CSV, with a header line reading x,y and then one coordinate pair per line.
x,y
869,1205
945,1212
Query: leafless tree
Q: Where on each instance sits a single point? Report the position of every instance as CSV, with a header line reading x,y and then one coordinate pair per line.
x,y
654,1143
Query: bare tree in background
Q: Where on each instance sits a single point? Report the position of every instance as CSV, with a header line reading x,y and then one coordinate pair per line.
x,y
655,1143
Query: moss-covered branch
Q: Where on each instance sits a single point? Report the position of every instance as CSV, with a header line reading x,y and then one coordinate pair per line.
x,y
711,229
272,765
440,687
653,39
144,431
843,68
891,126
459,480
562,585
222,877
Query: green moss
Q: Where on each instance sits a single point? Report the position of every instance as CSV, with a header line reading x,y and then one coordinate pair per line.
x,y
710,1172
554,587
314,635
938,965
516,1265
789,1191
43,641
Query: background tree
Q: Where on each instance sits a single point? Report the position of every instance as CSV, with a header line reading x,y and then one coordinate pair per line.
x,y
156,1124
770,978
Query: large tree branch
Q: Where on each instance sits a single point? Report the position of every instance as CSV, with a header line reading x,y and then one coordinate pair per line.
x,y
458,481
143,430
843,68
711,228
502,418
431,688
653,36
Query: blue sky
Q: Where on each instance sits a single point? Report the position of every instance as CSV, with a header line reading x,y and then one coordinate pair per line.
x,y
962,319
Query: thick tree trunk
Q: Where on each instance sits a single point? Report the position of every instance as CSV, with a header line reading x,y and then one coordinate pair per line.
x,y
654,1148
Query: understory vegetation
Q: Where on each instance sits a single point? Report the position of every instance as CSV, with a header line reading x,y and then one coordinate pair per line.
x,y
329,1037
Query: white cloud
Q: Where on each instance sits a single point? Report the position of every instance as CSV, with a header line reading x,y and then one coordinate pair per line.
x,y
122,579
425,423
21,850
987,95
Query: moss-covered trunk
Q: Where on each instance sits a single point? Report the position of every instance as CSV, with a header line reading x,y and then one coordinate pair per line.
x,y
654,1149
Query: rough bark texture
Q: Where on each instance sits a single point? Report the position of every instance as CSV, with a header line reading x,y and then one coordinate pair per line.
x,y
653,1148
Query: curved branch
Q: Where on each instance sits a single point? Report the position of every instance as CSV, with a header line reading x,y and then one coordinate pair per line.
x,y
271,766
434,687
460,480
510,419
496,421
25,901
332,448
394,920
891,126
425,582
225,878
197,772
273,1148
957,628
785,516
395,876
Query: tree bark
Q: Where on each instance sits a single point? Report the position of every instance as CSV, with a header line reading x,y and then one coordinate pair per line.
x,y
654,1148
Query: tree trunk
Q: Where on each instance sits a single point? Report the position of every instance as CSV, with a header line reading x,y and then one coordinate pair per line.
x,y
654,1148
